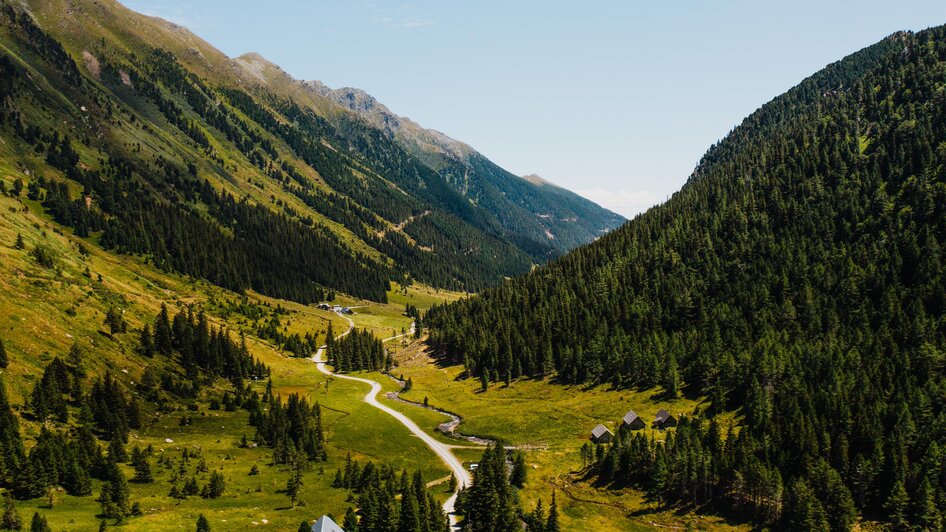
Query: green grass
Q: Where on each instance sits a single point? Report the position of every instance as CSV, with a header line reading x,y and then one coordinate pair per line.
x,y
43,311
556,421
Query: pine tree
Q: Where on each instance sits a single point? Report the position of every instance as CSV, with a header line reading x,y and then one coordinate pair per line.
x,y
408,518
490,502
294,483
672,382
115,493
925,513
11,518
190,487
4,361
139,461
304,527
39,523
350,524
116,451
519,473
215,486
163,342
804,511
19,242
552,524
897,504
536,521
203,525
146,339
115,321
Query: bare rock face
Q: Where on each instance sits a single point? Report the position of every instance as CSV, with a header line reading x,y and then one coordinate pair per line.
x,y
378,115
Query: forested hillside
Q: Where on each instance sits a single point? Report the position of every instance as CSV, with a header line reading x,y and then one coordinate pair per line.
x,y
542,219
136,133
797,278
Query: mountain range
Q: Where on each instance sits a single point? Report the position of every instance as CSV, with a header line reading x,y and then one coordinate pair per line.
x,y
343,195
788,304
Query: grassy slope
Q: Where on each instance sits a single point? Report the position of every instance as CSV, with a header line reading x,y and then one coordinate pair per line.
x,y
36,324
556,421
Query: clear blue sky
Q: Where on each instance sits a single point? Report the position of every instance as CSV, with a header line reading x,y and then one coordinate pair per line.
x,y
614,99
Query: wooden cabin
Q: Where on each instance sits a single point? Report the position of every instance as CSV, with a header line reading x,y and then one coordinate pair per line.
x,y
601,434
632,421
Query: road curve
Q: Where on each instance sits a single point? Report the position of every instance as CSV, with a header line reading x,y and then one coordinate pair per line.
x,y
441,449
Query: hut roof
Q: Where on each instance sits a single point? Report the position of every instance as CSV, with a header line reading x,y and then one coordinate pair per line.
x,y
599,431
630,416
325,524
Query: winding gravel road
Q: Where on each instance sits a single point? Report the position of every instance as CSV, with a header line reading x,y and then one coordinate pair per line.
x,y
441,449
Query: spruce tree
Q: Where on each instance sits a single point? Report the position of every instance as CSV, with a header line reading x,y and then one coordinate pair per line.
x,y
115,493
139,460
408,518
163,342
897,504
11,518
4,361
294,483
39,524
925,513
215,486
552,524
490,503
203,525
350,524
519,473
536,521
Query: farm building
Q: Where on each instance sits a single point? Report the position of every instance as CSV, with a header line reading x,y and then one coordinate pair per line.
x,y
325,524
601,434
632,421
664,419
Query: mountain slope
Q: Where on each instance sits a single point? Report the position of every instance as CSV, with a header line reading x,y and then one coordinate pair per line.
x,y
227,170
540,216
797,278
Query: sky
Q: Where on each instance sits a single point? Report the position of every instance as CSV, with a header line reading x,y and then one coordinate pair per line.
x,y
614,99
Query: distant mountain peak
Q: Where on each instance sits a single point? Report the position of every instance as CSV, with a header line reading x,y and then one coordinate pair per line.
x,y
258,66
378,115
538,180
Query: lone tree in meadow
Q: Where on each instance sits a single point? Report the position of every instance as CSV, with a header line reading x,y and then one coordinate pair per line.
x,y
294,484
11,518
202,524
39,524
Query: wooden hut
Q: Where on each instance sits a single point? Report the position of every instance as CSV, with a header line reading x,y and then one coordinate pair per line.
x,y
664,419
601,434
632,421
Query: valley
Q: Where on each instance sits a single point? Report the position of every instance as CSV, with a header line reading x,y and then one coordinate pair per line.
x,y
232,299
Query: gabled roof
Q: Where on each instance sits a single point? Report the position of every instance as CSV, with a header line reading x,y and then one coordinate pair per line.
x,y
630,416
663,415
599,431
325,524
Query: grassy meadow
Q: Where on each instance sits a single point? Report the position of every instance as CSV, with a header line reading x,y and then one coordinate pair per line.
x,y
43,311
551,423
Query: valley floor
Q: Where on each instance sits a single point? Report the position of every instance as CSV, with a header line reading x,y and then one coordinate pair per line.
x,y
43,311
